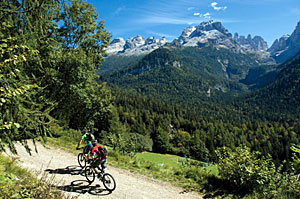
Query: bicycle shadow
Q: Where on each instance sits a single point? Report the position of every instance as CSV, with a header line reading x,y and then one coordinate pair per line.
x,y
83,187
72,170
78,186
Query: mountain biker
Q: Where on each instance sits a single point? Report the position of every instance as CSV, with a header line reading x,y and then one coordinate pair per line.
x,y
101,153
87,137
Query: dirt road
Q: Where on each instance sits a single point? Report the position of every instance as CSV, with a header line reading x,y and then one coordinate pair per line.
x,y
64,168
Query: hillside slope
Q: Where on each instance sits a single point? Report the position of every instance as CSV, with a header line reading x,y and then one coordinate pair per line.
x,y
282,97
64,168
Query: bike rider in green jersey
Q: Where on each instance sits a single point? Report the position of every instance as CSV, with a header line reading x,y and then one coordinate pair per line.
x,y
88,138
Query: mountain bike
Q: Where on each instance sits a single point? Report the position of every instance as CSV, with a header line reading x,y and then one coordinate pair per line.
x,y
107,179
82,158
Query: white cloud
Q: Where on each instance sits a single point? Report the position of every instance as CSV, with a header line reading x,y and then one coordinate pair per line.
x,y
118,10
207,15
215,7
213,4
191,8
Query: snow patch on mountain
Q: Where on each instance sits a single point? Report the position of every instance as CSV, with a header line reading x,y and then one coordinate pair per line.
x,y
135,45
214,34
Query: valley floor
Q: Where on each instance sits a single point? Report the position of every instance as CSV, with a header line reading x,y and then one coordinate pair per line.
x,y
64,169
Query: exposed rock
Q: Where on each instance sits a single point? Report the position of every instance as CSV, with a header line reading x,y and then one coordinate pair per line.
x,y
214,34
135,45
207,33
279,45
116,46
286,47
249,44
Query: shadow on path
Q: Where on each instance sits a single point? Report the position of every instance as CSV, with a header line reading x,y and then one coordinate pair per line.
x,y
72,170
78,186
83,187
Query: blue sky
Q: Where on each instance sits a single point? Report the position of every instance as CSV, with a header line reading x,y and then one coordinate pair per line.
x,y
269,19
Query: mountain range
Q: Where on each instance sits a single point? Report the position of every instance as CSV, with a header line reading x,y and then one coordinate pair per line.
x,y
212,33
206,63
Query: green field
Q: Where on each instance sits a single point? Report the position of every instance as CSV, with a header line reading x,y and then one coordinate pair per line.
x,y
174,161
161,159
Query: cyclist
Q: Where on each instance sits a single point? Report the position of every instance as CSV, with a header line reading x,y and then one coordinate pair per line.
x,y
87,137
101,158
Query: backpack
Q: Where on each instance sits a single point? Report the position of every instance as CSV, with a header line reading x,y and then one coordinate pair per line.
x,y
90,137
103,151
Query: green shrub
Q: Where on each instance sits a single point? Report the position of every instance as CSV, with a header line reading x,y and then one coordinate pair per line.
x,y
245,171
114,154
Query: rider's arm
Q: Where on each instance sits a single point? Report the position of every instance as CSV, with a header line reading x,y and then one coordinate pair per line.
x,y
80,141
92,153
78,145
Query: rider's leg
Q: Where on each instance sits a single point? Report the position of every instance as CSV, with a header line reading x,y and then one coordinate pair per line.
x,y
103,165
96,164
87,148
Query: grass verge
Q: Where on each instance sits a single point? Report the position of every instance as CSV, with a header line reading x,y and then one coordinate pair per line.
x,y
16,182
164,167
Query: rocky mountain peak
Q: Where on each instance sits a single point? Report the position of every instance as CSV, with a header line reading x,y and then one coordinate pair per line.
x,y
211,33
115,46
188,31
256,43
287,46
134,42
135,45
279,45
211,25
205,33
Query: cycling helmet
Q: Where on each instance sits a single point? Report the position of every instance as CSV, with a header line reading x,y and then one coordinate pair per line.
x,y
94,141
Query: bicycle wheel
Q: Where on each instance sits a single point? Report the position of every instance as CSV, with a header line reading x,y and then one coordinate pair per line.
x,y
81,160
109,182
89,174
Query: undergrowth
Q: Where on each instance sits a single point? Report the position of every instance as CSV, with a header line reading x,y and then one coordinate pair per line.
x,y
16,182
185,175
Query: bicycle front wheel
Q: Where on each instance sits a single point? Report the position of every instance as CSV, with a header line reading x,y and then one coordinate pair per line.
x,y
109,182
81,160
89,174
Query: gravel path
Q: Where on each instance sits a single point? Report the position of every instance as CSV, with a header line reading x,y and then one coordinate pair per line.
x,y
64,168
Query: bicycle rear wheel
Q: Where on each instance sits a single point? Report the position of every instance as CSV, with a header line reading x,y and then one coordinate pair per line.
x,y
109,182
89,174
81,160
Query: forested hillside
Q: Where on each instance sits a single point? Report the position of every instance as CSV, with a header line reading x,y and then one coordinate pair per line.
x,y
280,100
158,108
198,132
188,76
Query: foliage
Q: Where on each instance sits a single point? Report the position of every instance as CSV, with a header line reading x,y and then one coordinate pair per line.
x,y
197,133
295,157
264,180
245,171
48,71
113,63
22,113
